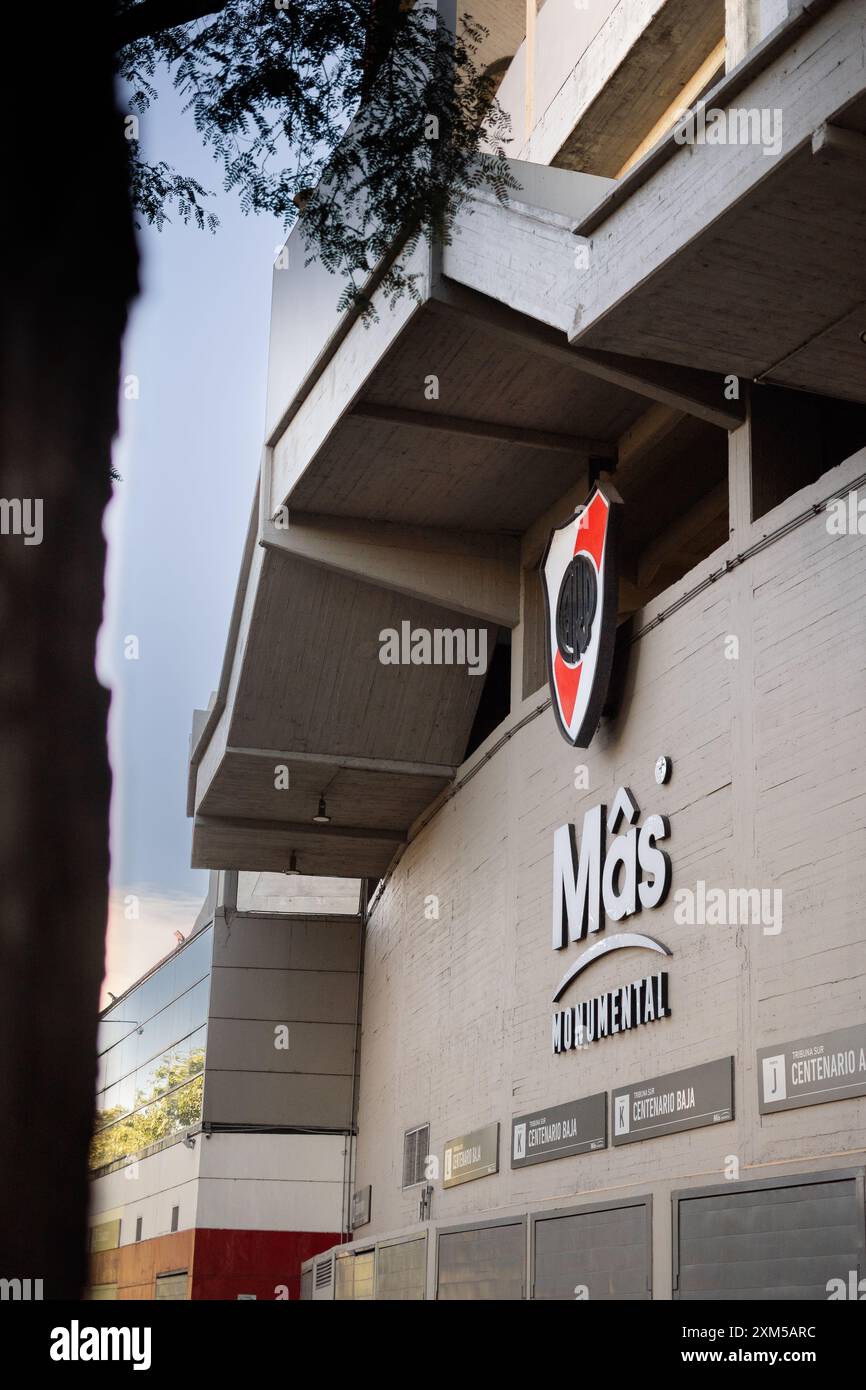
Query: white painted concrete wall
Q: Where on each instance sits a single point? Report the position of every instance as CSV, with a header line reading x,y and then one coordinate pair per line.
x,y
564,33
149,1188
272,1182
252,1182
576,51
768,790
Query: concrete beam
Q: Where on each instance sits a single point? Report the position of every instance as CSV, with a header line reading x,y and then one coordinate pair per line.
x,y
342,760
476,573
676,540
682,388
302,830
300,435
840,148
344,851
484,429
648,431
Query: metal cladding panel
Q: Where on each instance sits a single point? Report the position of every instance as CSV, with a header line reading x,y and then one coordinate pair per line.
x,y
354,1276
481,1264
307,1285
279,1098
606,1251
365,1268
775,1242
401,1271
344,1278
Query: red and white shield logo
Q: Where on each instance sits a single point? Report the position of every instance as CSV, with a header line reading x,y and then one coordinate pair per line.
x,y
580,572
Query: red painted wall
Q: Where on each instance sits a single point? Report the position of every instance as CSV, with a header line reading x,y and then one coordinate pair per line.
x,y
227,1263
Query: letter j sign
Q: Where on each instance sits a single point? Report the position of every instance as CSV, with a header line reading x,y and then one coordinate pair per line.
x,y
580,573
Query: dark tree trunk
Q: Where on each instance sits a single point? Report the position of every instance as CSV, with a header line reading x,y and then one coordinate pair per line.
x,y
381,29
69,273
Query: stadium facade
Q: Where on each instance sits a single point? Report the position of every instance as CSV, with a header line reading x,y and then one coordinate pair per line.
x,y
549,639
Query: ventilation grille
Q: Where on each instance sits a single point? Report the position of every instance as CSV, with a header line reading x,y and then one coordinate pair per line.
x,y
324,1270
416,1143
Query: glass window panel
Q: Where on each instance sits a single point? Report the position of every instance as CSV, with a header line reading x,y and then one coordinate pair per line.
x,y
171,1113
131,1010
184,1021
110,1109
145,1081
147,1043
193,962
276,893
116,1019
158,990
195,1047
112,1066
129,1051
111,1098
164,1029
178,1110
191,1050
125,1091
168,1072
200,1000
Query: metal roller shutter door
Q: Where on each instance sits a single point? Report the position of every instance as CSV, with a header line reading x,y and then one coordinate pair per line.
x,y
401,1271
344,1278
781,1239
482,1262
354,1276
606,1249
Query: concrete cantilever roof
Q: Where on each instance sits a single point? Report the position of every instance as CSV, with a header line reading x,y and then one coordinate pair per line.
x,y
403,462
746,236
401,509
405,459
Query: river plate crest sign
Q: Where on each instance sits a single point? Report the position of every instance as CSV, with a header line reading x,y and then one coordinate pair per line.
x,y
580,573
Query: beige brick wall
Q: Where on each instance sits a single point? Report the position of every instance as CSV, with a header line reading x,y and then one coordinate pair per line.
x,y
768,790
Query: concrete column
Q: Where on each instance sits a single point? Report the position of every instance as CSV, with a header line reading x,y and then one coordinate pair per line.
x,y
529,76
742,29
740,478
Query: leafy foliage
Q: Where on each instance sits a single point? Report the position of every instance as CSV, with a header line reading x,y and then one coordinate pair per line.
x,y
286,95
172,1103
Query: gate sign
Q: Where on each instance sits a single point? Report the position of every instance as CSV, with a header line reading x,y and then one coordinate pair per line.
x,y
810,1071
580,572
689,1099
471,1156
578,1127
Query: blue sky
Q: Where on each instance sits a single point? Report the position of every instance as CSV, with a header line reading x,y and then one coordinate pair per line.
x,y
188,453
